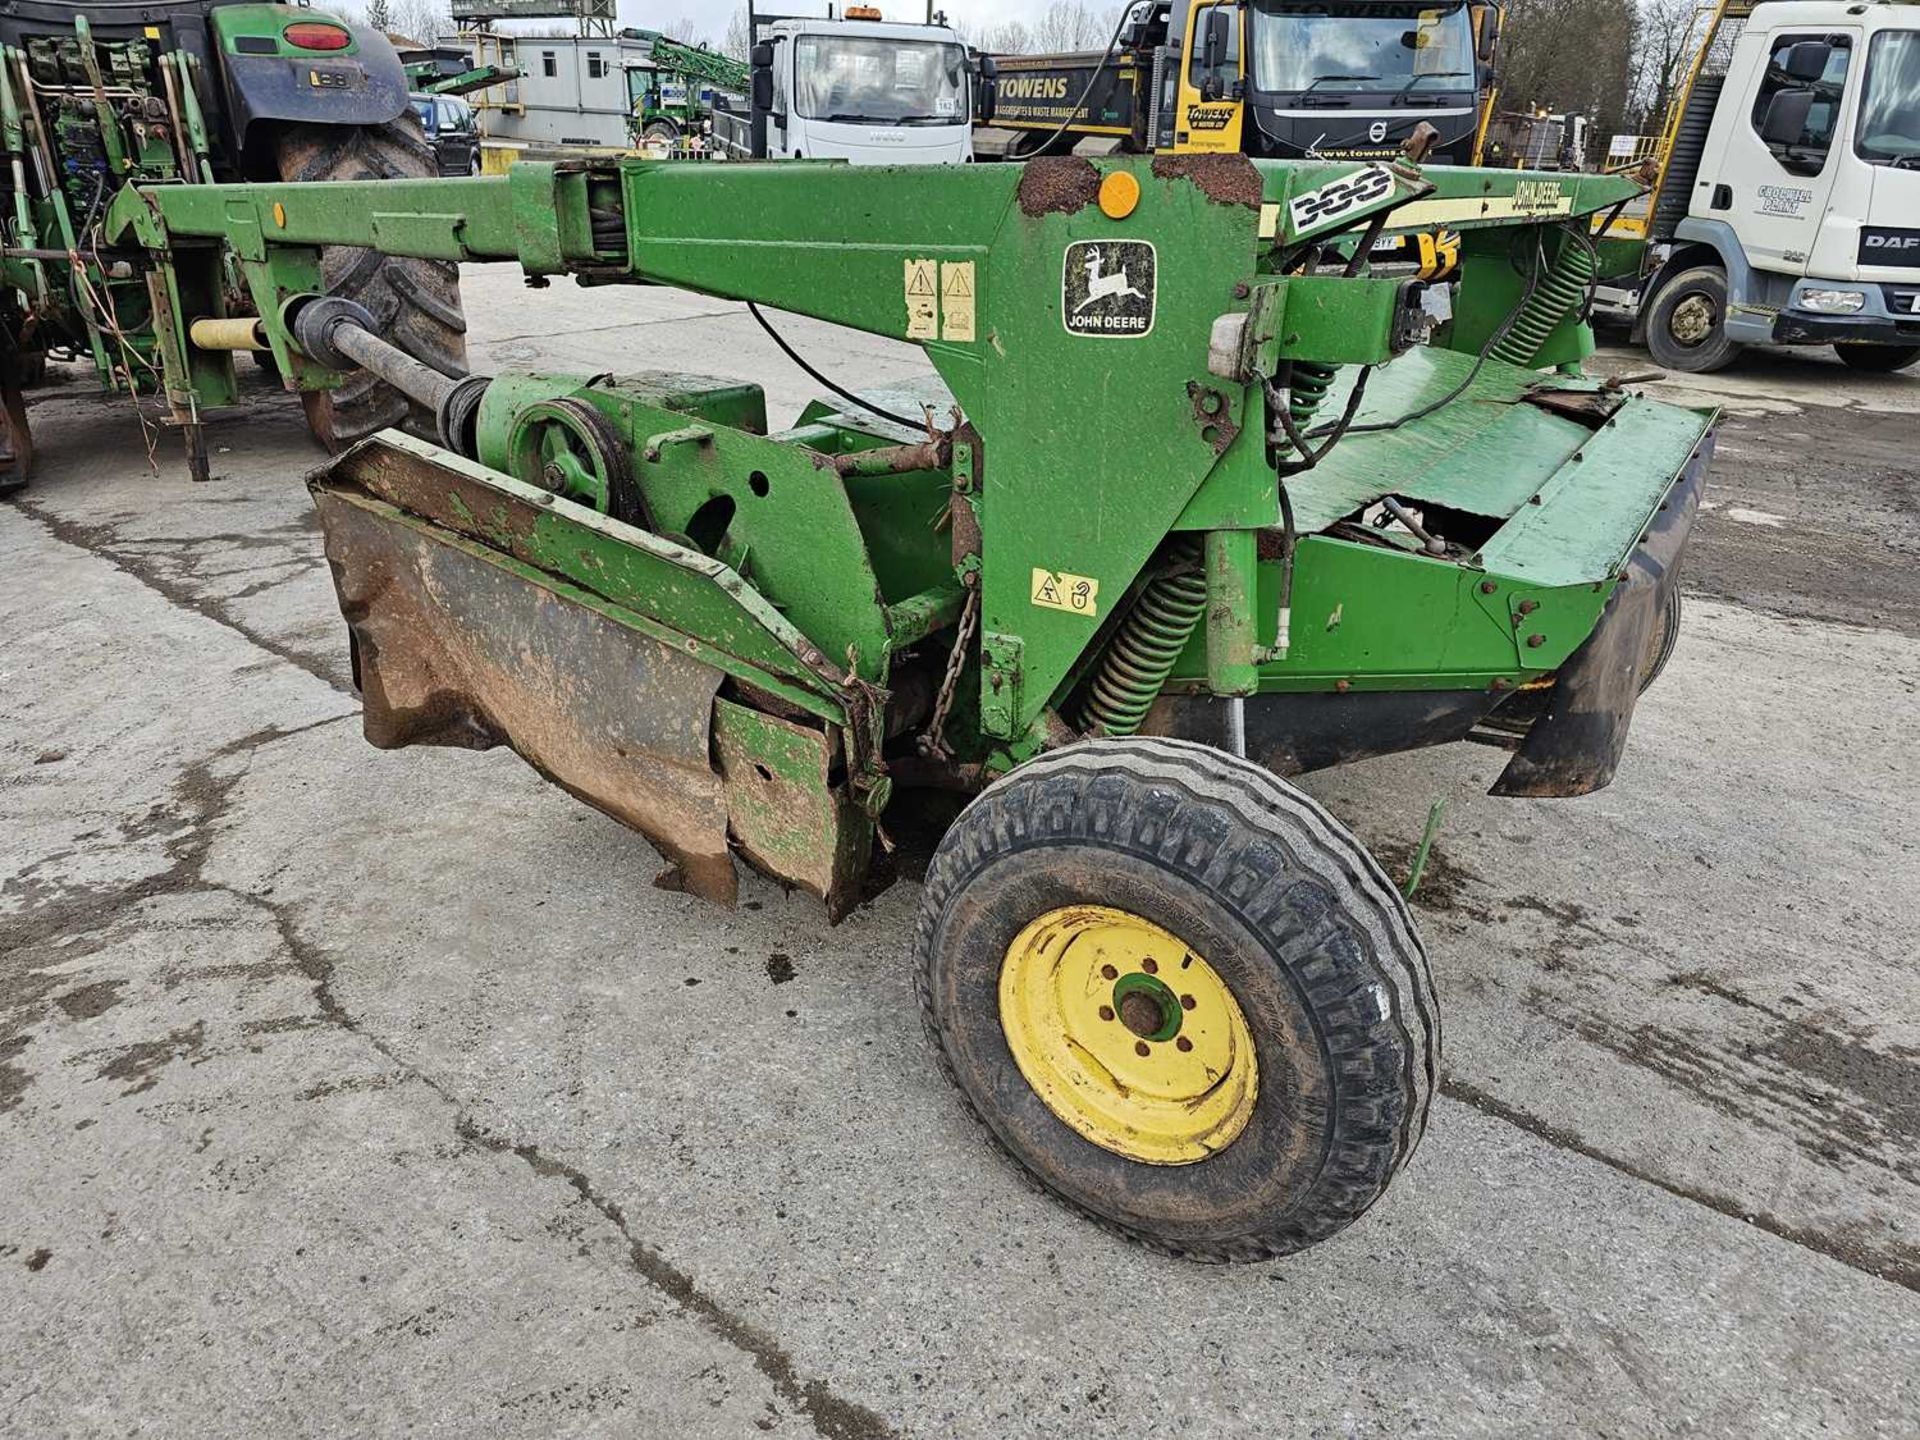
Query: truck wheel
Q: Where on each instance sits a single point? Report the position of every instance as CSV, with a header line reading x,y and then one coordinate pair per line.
x,y
1879,359
1181,996
1687,328
662,133
415,302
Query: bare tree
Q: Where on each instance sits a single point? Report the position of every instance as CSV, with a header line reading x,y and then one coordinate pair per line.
x,y
1664,41
1571,55
379,16
422,20
737,42
1068,25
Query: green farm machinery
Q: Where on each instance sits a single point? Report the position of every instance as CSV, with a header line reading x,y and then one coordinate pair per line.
x,y
1202,501
673,93
99,97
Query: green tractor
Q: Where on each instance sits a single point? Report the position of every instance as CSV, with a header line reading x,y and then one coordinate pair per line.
x,y
100,97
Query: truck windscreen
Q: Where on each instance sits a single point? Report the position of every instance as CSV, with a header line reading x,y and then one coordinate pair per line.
x,y
873,81
1378,49
1890,113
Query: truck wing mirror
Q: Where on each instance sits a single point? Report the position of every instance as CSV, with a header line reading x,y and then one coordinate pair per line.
x,y
1808,60
1786,118
1486,32
986,103
763,90
762,58
1219,36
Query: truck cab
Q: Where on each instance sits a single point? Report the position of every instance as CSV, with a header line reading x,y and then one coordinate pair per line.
x,y
866,91
1351,81
1801,224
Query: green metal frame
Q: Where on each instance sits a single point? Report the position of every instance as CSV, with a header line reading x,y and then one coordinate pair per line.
x,y
1081,454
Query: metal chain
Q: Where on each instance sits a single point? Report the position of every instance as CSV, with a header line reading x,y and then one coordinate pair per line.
x,y
933,743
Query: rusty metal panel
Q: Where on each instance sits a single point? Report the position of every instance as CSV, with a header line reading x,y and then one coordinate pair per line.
x,y
454,650
789,819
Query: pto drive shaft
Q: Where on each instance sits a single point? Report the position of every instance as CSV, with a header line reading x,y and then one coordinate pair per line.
x,y
338,334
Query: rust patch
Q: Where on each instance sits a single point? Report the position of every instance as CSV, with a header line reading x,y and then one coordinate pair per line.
x,y
1223,179
1060,185
454,652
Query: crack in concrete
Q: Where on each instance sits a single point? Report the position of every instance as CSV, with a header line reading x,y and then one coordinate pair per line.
x,y
202,798
1853,1255
105,542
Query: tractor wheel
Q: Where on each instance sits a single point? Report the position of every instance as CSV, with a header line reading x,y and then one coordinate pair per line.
x,y
1877,359
416,302
1687,327
1181,995
662,132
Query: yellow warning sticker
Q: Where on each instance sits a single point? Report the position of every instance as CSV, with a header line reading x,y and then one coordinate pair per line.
x,y
1075,594
1269,221
958,300
923,300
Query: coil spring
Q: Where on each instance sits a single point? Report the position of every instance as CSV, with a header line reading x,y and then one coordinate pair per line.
x,y
1560,289
1142,654
1311,382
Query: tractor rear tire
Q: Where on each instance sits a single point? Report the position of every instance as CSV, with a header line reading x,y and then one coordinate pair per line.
x,y
416,303
1272,926
1877,359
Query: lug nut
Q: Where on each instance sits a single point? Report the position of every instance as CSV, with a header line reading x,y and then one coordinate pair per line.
x,y
1142,1049
1109,972
1183,1044
1150,965
1187,1002
1106,1012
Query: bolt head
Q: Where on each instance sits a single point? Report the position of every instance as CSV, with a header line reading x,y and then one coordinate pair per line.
x,y
1106,1012
1183,1044
1534,642
1142,1049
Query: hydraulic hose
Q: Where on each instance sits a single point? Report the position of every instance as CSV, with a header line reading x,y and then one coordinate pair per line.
x,y
1148,644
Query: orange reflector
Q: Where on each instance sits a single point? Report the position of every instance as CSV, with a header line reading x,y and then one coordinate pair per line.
x,y
1119,195
279,214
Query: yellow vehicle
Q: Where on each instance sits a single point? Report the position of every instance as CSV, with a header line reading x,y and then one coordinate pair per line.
x,y
1278,79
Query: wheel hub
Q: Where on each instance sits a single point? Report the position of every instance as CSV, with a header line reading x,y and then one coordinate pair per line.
x,y
1130,1038
1692,321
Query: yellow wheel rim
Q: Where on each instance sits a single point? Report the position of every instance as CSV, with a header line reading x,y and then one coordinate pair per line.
x,y
1128,1036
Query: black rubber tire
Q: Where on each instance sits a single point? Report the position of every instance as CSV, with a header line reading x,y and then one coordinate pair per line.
x,y
1667,641
1313,939
663,131
1716,352
1683,165
1877,359
415,302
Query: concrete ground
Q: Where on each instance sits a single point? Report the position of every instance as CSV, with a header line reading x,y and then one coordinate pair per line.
x,y
349,1093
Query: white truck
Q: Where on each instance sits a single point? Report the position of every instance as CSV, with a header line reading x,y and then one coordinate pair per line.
x,y
858,89
1787,208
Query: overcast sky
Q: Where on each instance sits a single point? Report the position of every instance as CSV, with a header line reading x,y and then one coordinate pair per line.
x,y
656,14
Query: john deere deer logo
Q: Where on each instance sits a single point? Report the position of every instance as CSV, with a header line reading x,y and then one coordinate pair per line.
x,y
1104,287
1109,288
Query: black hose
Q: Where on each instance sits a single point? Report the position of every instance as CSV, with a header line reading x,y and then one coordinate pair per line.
x,y
1113,48
819,379
1479,364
